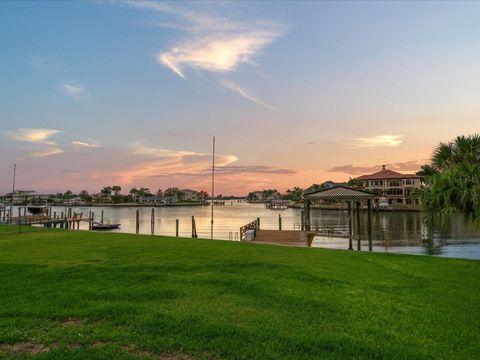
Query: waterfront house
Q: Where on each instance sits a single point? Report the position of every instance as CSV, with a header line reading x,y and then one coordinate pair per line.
x,y
189,195
391,186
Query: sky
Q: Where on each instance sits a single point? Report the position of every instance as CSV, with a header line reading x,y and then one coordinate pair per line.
x,y
131,93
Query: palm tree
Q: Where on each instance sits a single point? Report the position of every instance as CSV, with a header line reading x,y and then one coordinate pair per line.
x,y
453,181
462,149
456,189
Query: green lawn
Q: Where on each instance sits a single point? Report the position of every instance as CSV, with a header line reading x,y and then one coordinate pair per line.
x,y
80,295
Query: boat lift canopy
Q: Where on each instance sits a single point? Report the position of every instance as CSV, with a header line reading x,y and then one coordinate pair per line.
x,y
342,193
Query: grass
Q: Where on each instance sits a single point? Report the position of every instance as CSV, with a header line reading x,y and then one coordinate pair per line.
x,y
79,295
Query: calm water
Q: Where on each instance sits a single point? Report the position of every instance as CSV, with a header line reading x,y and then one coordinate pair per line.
x,y
399,232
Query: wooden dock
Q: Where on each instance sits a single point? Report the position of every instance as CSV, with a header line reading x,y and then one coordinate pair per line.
x,y
284,237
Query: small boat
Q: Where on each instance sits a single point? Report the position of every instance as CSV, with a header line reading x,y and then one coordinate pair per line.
x,y
99,226
37,210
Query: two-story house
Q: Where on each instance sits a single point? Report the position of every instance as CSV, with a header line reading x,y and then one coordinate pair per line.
x,y
391,186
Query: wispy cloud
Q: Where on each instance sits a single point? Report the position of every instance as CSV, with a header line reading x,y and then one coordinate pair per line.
x,y
47,152
215,53
43,64
32,135
378,141
40,137
84,144
413,165
242,92
162,162
212,43
77,92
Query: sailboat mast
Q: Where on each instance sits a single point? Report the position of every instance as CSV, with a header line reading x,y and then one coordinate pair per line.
x,y
213,188
13,188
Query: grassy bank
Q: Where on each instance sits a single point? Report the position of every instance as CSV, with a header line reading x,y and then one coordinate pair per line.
x,y
78,295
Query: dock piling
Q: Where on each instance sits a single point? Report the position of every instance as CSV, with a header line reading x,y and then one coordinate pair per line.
x,y
194,228
176,227
137,222
359,230
152,221
279,221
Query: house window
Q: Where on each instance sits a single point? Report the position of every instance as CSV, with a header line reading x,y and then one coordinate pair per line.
x,y
409,182
377,182
394,192
394,183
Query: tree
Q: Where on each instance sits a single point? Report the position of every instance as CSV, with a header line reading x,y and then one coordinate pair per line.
x,y
295,194
426,171
116,189
68,195
85,196
454,185
461,150
203,195
144,191
159,193
106,191
457,188
133,194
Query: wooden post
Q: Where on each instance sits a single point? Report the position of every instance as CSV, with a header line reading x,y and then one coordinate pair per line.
x,y
369,205
194,228
307,215
101,217
359,234
152,221
258,223
176,227
137,221
350,230
302,221
279,221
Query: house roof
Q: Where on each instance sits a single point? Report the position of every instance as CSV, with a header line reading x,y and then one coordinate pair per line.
x,y
339,192
387,174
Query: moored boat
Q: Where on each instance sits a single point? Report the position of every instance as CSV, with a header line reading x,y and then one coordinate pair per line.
x,y
99,226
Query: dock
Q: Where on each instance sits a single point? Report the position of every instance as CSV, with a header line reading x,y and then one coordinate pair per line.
x,y
284,237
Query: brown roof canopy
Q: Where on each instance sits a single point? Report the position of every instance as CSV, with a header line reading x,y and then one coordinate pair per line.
x,y
386,175
339,193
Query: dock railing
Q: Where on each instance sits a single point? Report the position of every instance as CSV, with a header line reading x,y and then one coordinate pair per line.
x,y
254,225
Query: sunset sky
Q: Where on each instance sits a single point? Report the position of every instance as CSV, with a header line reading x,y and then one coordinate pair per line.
x,y
131,93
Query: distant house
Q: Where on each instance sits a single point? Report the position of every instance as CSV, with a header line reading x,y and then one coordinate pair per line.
x,y
326,185
391,186
76,201
258,195
190,195
28,196
150,199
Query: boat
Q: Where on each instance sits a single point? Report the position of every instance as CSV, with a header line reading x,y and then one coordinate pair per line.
x,y
99,226
37,210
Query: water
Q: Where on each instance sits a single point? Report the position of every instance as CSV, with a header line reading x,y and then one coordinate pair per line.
x,y
396,232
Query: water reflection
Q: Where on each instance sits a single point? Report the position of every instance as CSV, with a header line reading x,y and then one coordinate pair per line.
x,y
399,232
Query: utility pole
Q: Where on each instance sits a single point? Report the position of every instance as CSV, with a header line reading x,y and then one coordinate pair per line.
x,y
13,190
